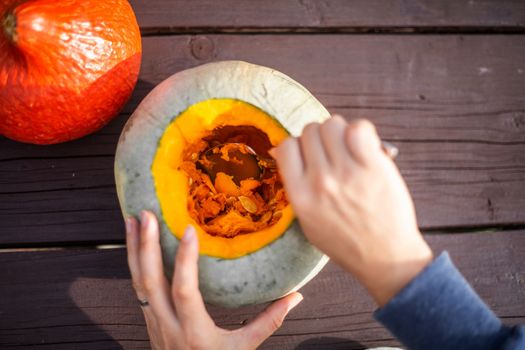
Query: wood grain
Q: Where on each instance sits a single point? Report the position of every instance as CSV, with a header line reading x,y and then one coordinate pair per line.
x,y
454,105
83,298
312,15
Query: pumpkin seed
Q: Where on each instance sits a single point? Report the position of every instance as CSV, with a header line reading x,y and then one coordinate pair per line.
x,y
266,217
278,214
248,204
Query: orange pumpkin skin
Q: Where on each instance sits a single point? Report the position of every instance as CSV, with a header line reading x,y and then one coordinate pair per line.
x,y
66,67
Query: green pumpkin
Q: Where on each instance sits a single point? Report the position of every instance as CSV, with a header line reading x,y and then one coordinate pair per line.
x,y
251,267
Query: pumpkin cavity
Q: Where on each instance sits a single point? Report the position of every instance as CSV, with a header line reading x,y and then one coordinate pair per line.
x,y
212,170
233,184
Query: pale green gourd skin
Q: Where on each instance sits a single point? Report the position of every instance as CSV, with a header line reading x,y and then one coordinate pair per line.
x,y
275,270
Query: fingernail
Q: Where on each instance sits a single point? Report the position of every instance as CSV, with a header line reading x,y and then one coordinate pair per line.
x,y
189,234
389,149
144,219
129,224
299,297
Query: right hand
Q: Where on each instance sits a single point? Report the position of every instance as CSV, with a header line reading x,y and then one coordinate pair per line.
x,y
353,204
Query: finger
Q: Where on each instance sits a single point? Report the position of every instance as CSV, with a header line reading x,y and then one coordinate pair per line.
x,y
333,138
289,160
269,320
363,142
152,323
190,307
152,277
132,245
312,148
132,239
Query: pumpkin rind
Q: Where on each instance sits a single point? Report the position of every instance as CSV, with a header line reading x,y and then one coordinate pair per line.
x,y
277,269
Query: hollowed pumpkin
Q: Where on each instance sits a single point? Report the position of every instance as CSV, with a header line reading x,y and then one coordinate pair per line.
x,y
196,152
232,219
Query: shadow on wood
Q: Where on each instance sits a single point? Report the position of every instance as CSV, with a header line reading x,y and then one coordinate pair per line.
x,y
83,299
70,188
61,303
330,343
77,300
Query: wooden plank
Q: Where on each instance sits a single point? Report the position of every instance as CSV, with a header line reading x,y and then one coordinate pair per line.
x,y
302,15
73,199
83,298
453,104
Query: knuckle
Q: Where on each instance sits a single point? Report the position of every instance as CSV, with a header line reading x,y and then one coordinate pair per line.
x,y
302,202
334,122
324,184
362,125
179,257
144,242
149,284
182,291
276,323
289,142
139,289
136,285
191,339
337,118
311,127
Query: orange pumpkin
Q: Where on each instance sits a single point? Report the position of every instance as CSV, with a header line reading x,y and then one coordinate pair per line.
x,y
66,67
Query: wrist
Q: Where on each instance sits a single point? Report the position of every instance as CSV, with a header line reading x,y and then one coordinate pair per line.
x,y
387,279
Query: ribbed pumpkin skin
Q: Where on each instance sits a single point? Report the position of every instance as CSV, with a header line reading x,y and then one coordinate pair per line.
x,y
68,69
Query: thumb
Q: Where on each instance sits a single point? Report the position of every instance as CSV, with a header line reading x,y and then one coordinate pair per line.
x,y
270,320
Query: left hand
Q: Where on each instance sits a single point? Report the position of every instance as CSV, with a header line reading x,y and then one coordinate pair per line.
x,y
176,317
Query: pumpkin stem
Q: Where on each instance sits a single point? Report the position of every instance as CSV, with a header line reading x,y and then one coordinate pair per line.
x,y
9,24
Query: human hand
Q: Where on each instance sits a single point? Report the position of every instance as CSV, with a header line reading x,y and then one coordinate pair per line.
x,y
353,204
176,317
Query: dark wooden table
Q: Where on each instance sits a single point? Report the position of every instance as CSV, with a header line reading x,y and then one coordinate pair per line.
x,y
443,80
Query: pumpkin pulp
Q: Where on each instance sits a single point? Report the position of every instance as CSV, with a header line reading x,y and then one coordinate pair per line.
x,y
212,170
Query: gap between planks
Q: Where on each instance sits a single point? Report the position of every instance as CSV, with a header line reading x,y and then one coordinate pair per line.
x,y
62,248
120,244
445,30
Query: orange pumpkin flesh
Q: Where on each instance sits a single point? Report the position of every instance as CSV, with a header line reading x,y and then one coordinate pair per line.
x,y
237,209
66,67
232,191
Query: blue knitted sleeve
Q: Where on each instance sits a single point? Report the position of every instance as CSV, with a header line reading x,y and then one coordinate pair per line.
x,y
439,310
